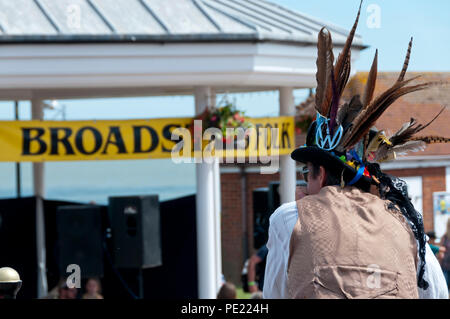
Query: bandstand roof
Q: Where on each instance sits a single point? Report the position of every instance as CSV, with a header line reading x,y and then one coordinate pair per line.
x,y
95,48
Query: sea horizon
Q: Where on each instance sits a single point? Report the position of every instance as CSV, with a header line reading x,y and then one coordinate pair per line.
x,y
95,181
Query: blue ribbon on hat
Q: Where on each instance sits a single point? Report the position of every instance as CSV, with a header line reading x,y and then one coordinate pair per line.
x,y
361,169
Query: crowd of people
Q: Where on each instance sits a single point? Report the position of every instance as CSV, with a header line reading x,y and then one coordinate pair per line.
x,y
92,290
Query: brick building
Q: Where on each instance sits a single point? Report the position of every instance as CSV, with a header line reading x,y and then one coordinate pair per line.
x,y
425,172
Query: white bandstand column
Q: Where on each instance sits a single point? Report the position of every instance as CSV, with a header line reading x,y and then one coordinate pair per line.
x,y
206,213
287,165
37,113
218,214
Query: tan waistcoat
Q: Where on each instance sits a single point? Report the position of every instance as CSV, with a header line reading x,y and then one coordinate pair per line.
x,y
348,244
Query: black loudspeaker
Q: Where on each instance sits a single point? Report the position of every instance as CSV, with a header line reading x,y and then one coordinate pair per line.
x,y
136,231
80,240
260,216
18,242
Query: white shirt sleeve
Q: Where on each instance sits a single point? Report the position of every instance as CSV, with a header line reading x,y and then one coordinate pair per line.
x,y
435,277
282,223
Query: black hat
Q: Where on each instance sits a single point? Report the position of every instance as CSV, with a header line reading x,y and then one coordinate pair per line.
x,y
331,160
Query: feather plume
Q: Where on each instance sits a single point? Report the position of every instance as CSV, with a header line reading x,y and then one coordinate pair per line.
x,y
344,76
406,63
334,104
380,153
342,113
343,63
341,69
403,141
410,146
404,133
409,129
404,127
431,139
371,81
367,118
348,112
325,60
385,153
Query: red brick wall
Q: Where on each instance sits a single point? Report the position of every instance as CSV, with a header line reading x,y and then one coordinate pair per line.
x,y
433,180
231,226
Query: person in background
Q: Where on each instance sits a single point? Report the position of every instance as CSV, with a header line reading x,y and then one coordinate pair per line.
x,y
64,292
227,291
443,205
437,249
93,289
257,295
256,270
445,263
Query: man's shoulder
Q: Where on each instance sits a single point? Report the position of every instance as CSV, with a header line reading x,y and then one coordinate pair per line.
x,y
330,195
284,211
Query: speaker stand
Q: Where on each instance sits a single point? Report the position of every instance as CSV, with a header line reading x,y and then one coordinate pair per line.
x,y
141,283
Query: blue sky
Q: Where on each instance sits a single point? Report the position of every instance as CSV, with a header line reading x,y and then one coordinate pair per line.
x,y
427,21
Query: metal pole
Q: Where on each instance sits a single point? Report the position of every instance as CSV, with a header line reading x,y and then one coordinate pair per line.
x,y
37,113
18,174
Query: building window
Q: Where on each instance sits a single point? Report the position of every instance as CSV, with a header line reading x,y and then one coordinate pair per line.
x,y
415,191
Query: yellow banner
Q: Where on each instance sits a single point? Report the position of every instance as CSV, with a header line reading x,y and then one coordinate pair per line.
x,y
35,141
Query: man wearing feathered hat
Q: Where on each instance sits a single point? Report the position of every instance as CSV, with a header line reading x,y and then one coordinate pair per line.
x,y
355,233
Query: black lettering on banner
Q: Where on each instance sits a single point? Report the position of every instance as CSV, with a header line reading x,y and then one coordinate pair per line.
x,y
247,141
285,134
277,140
55,140
167,134
114,131
27,139
137,130
79,140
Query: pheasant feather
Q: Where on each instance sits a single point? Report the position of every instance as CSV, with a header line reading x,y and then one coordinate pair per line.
x,y
431,139
409,129
371,81
406,63
325,60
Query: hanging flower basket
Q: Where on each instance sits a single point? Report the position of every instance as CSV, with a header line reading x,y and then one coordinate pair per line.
x,y
227,116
